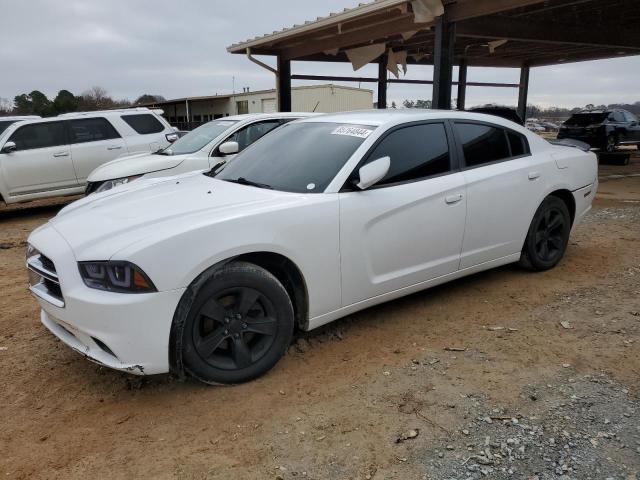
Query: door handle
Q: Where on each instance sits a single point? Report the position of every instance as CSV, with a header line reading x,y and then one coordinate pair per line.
x,y
534,175
61,154
453,199
114,147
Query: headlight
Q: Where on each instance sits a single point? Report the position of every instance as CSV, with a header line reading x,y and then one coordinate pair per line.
x,y
109,184
116,276
31,252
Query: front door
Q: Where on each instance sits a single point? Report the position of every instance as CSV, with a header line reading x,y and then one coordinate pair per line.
x,y
408,228
41,161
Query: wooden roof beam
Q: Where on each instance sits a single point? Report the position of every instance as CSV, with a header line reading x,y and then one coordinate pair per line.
x,y
355,38
465,9
526,30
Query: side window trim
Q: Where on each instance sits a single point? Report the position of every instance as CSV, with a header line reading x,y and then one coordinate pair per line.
x,y
453,155
460,150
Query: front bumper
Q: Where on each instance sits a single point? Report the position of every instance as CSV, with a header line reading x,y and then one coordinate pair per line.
x,y
128,332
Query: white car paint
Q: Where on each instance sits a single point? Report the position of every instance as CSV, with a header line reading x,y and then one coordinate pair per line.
x,y
50,171
354,249
156,164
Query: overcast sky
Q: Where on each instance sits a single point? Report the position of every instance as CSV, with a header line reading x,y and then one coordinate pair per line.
x,y
178,49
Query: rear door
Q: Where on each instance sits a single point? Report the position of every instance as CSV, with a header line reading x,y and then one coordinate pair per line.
x,y
502,190
41,161
94,141
409,227
633,127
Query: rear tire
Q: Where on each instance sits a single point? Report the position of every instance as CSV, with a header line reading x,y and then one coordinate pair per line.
x,y
239,324
612,141
548,235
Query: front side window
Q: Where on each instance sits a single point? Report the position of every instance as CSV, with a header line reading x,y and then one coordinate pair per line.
x,y
481,144
198,138
249,134
417,151
299,157
628,115
39,135
91,130
4,124
143,123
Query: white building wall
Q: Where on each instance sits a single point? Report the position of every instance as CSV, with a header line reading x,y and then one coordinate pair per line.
x,y
330,99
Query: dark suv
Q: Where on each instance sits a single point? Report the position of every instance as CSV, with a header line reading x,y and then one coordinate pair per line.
x,y
604,129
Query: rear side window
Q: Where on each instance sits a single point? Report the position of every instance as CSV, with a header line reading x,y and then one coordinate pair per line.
x,y
39,135
482,144
416,152
91,130
143,123
518,143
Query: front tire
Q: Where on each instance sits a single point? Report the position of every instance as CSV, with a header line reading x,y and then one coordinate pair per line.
x,y
548,235
239,324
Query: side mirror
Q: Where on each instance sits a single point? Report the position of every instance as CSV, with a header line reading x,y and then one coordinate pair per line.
x,y
9,147
373,172
229,148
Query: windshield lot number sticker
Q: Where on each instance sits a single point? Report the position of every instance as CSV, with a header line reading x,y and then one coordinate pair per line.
x,y
352,131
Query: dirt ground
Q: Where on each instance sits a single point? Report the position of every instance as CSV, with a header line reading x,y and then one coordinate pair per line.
x,y
505,374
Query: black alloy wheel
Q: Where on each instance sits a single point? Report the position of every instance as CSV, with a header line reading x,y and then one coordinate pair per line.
x,y
611,143
239,325
548,235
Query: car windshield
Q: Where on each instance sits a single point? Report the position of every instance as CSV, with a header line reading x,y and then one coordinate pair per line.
x,y
583,119
198,138
4,124
299,157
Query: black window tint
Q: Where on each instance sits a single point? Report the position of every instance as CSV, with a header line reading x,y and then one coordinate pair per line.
x,y
91,130
416,152
616,117
482,143
518,143
249,134
39,135
143,123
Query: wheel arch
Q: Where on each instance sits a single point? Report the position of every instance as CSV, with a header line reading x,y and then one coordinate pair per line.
x,y
567,197
280,266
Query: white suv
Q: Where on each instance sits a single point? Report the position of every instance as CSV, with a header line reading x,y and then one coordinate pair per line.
x,y
211,144
47,157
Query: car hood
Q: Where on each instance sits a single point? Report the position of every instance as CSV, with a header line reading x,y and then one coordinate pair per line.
x,y
99,226
135,165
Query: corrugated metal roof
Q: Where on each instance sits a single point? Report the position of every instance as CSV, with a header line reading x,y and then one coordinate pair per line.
x,y
331,19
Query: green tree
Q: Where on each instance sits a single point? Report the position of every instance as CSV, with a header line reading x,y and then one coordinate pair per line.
x,y
41,104
23,104
65,102
147,98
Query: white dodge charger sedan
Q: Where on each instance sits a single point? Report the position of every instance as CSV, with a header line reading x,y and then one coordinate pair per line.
x,y
210,274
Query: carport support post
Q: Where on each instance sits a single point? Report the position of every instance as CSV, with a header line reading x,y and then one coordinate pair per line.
x,y
382,81
523,91
445,37
462,84
284,84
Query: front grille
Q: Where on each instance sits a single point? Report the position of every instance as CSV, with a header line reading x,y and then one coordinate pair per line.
x,y
43,279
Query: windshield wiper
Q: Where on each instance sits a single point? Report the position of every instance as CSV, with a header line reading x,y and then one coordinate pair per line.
x,y
251,183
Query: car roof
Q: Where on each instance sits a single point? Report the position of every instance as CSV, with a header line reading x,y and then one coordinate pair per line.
x,y
390,117
19,117
260,116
